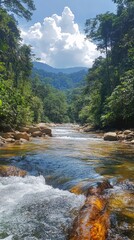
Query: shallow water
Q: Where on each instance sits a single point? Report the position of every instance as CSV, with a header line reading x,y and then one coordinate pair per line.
x,y
40,205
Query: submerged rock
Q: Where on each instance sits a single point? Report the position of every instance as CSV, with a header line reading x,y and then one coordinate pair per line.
x,y
6,171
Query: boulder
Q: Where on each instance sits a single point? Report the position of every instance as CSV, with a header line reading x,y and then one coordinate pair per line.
x,y
130,136
47,131
20,141
44,129
10,140
24,129
37,134
33,129
121,137
132,141
1,143
110,136
126,132
6,171
7,135
23,135
42,125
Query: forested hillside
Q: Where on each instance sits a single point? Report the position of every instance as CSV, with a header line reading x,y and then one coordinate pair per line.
x,y
108,98
47,68
60,81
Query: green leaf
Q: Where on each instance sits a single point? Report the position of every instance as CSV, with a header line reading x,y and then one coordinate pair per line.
x,y
0,102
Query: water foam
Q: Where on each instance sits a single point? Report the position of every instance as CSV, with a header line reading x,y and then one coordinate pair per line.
x,y
30,209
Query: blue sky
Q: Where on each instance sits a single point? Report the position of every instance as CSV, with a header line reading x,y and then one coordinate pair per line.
x,y
56,31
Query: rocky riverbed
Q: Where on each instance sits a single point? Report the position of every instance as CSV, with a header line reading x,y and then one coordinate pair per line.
x,y
24,134
126,136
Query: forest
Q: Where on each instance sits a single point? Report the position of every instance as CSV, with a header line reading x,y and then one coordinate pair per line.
x,y
105,100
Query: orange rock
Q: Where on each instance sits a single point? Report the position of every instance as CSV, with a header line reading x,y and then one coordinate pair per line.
x,y
78,189
92,222
6,171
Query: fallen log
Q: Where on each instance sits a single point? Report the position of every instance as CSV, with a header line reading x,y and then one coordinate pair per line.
x,y
92,222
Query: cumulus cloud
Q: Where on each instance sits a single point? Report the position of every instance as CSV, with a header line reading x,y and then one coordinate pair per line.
x,y
58,41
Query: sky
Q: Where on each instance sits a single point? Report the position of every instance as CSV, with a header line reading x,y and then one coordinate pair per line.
x,y
56,31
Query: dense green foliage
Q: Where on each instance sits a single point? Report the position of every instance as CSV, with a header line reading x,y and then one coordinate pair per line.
x,y
108,97
23,100
54,105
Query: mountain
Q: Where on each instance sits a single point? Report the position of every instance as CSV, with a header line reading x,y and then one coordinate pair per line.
x,y
61,81
47,68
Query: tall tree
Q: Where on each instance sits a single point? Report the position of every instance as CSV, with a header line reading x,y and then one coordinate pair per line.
x,y
100,30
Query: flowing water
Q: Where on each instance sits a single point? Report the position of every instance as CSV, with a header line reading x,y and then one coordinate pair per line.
x,y
40,205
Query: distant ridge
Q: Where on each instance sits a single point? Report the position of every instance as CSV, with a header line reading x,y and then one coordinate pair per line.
x,y
47,68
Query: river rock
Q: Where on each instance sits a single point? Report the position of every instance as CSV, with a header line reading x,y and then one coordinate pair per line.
x,y
132,141
37,134
47,131
126,132
10,140
110,136
130,136
92,221
7,135
121,137
20,141
1,143
23,135
6,171
42,125
24,129
33,129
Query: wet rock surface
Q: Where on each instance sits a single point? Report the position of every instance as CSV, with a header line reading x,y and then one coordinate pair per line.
x,y
6,171
92,222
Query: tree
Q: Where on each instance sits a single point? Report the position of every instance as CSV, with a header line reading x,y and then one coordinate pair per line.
x,y
119,107
100,30
22,8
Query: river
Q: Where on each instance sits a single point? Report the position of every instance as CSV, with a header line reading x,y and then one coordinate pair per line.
x,y
40,205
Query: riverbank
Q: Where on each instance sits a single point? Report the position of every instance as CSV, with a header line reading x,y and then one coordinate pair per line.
x,y
24,134
126,135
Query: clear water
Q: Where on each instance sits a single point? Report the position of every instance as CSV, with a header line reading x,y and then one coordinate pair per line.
x,y
40,205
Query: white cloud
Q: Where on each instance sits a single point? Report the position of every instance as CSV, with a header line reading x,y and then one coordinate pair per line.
x,y
58,41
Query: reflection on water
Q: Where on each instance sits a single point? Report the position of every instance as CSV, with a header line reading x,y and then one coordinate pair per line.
x,y
66,159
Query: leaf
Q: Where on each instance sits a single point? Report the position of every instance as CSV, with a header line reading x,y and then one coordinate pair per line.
x,y
0,102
